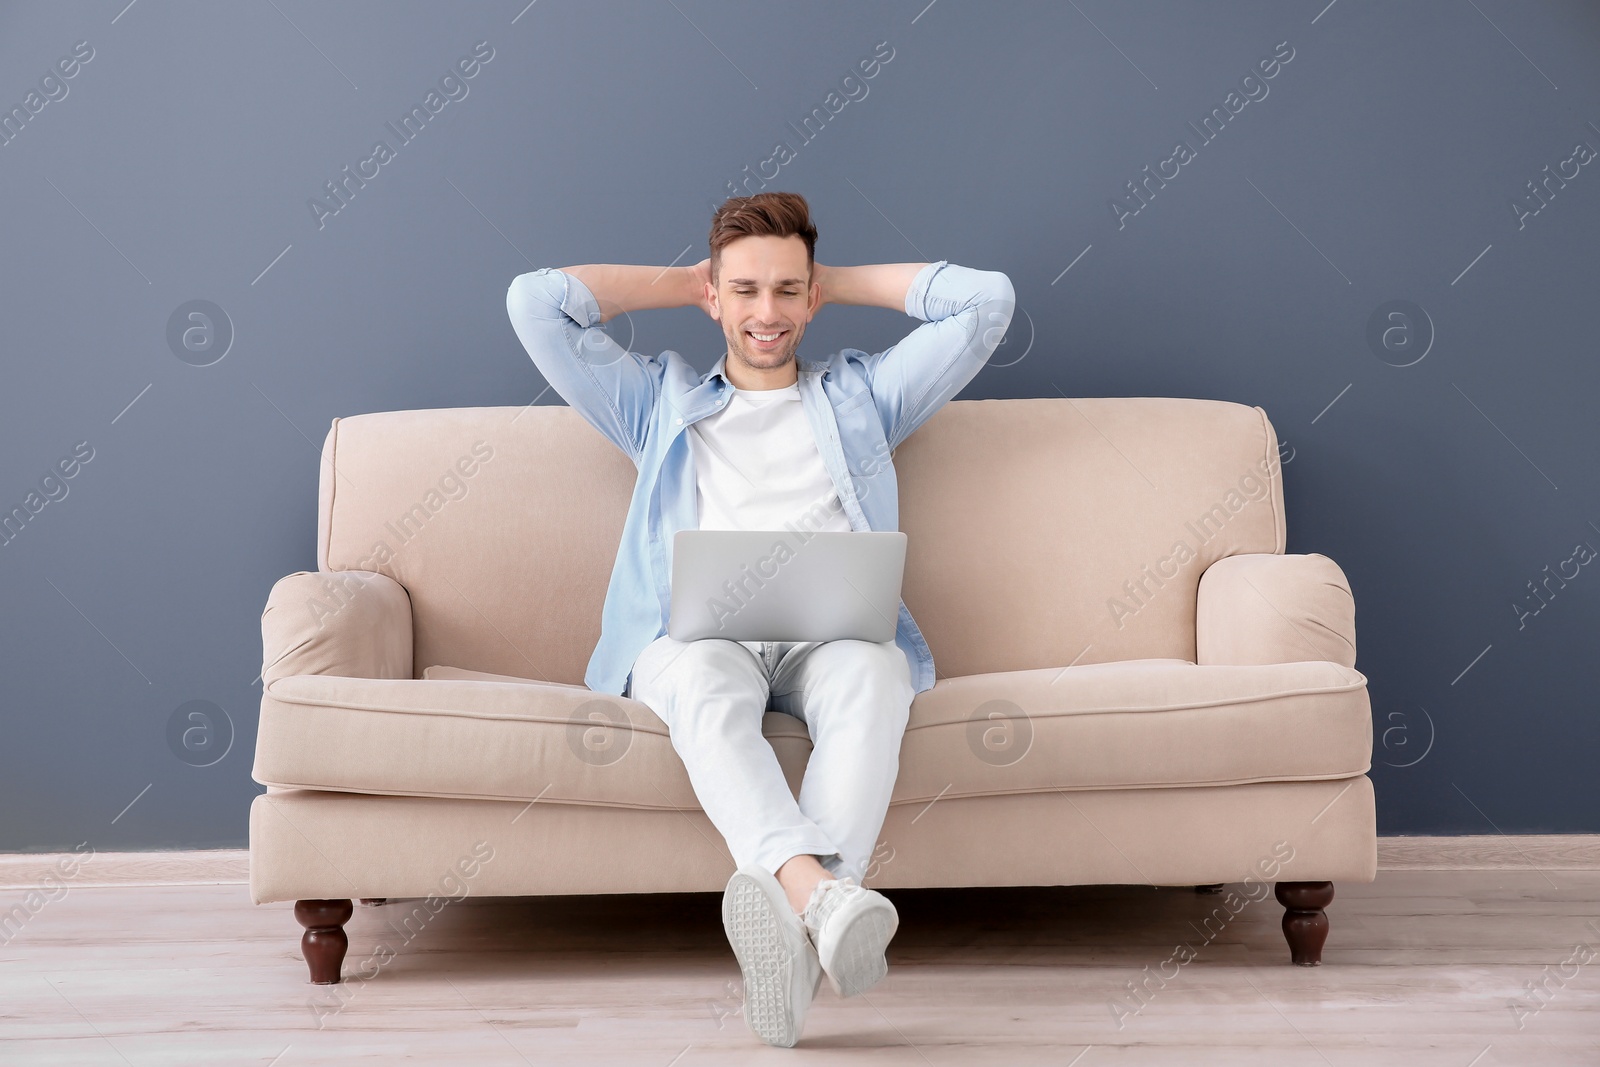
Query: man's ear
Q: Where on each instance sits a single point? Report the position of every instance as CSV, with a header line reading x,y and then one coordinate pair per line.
x,y
713,303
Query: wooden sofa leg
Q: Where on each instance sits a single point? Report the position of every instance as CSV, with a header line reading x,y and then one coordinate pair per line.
x,y
324,942
1305,924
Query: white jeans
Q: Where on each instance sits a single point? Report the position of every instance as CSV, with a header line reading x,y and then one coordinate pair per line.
x,y
853,696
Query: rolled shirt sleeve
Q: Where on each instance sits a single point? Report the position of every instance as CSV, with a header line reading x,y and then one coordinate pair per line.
x,y
966,313
557,319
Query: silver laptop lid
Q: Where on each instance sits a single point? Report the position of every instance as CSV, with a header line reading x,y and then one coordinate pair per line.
x,y
786,585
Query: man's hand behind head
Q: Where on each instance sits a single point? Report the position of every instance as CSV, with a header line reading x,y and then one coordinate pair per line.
x,y
701,273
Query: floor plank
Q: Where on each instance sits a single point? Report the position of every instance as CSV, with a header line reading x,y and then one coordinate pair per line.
x,y
1422,968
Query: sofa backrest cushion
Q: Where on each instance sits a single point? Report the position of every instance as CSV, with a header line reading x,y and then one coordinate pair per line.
x,y
1040,532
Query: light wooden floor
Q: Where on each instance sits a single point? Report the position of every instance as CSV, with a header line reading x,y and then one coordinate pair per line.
x,y
1421,969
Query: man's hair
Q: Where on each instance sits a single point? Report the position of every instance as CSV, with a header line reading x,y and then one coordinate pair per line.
x,y
762,215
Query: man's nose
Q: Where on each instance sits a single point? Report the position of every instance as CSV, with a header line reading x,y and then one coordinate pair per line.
x,y
768,310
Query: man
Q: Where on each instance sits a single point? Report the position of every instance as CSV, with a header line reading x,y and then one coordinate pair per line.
x,y
760,442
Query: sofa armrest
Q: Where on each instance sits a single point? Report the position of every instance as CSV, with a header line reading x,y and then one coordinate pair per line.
x,y
356,624
1266,608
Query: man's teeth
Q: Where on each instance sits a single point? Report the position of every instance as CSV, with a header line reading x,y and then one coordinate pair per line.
x,y
765,336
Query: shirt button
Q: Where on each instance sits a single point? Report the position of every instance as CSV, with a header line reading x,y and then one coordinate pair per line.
x,y
680,422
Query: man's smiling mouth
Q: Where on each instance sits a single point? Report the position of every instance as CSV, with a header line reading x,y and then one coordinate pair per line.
x,y
766,340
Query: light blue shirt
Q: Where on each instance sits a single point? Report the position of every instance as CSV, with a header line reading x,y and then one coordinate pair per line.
x,y
860,407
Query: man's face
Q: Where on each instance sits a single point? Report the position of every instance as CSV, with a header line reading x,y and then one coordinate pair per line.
x,y
763,287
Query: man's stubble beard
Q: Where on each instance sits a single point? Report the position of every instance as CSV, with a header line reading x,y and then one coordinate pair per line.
x,y
754,359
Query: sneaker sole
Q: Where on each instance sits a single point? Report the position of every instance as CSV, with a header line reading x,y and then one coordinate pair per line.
x,y
765,961
858,962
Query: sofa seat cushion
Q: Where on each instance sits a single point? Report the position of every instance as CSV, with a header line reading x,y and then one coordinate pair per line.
x,y
1135,724
439,670
466,734
1129,724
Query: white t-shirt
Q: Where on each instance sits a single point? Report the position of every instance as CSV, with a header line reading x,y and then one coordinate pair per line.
x,y
757,466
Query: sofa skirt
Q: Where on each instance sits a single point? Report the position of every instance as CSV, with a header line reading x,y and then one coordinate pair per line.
x,y
315,844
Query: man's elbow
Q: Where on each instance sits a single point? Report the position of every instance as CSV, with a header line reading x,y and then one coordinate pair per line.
x,y
536,295
998,292
997,302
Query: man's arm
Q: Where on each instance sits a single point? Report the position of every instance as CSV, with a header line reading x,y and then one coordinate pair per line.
x,y
623,287
557,316
966,312
881,285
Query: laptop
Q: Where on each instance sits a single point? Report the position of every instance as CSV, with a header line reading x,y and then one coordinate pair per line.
x,y
786,585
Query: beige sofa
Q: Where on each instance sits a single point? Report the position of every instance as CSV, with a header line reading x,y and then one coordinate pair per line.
x,y
1135,684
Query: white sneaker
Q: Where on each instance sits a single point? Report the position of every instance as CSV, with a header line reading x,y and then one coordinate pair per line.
x,y
780,965
851,926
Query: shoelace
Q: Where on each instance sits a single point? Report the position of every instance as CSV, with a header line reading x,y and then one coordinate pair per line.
x,y
826,898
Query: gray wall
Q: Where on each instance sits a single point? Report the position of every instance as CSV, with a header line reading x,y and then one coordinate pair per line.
x,y
1382,165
